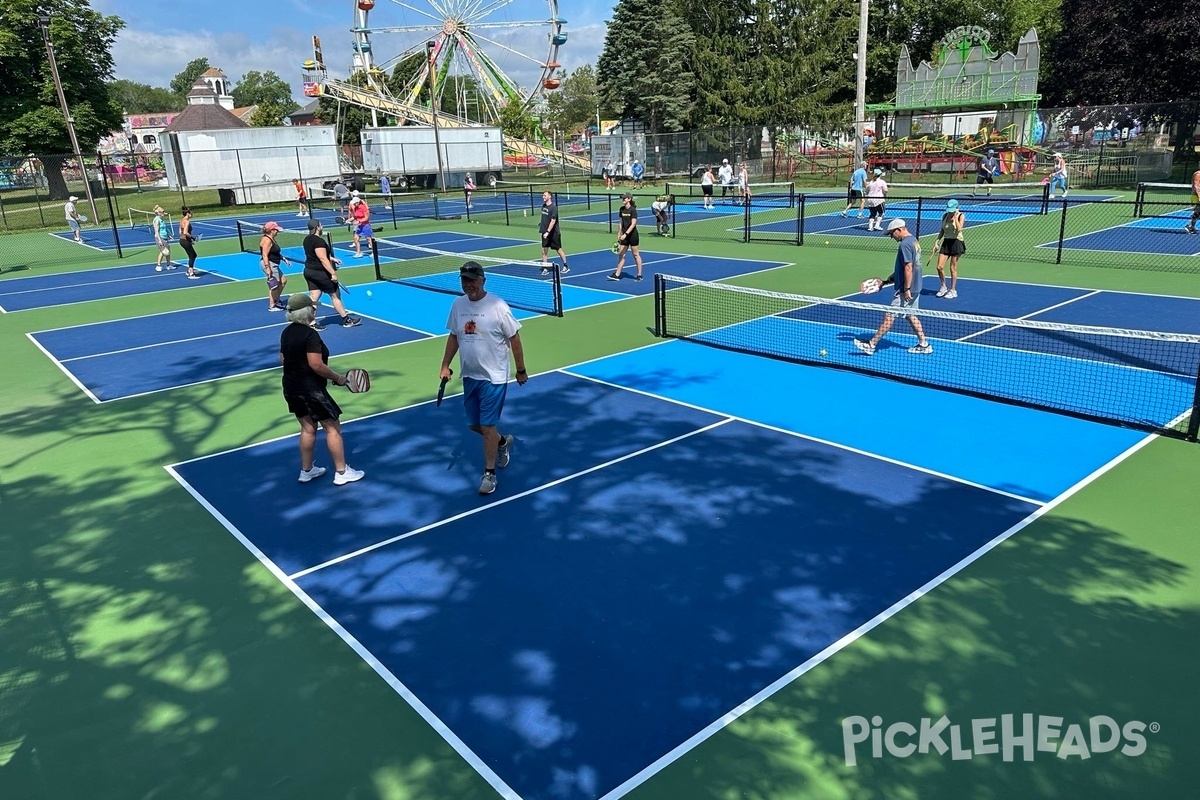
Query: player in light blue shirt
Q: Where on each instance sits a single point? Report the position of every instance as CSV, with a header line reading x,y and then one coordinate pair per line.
x,y
858,181
906,277
638,172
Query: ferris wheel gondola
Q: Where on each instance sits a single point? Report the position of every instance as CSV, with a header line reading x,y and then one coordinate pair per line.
x,y
471,47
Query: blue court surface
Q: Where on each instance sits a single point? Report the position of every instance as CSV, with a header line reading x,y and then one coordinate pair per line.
x,y
1162,234
670,545
131,357
42,291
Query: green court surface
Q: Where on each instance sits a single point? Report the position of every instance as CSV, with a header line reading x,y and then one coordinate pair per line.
x,y
144,653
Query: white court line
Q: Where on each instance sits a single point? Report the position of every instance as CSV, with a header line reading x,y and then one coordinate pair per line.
x,y
1066,302
471,512
732,715
460,747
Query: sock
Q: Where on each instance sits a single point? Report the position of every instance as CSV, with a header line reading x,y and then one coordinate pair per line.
x,y
489,472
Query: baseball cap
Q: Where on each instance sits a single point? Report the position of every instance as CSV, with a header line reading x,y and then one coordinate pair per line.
x,y
72,199
355,192
272,226
895,225
991,152
627,196
724,160
878,171
313,224
950,205
471,269
299,300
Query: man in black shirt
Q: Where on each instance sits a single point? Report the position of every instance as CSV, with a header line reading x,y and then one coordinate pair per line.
x,y
627,238
551,236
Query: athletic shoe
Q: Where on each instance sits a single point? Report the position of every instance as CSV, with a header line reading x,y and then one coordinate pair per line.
x,y
866,346
307,475
545,270
158,268
317,326
941,292
350,322
1190,229
487,484
614,277
193,277
953,293
564,270
277,307
843,212
638,278
504,453
349,476
301,214
921,349
860,215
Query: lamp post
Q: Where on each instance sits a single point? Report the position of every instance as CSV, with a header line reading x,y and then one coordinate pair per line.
x,y
44,22
433,110
860,94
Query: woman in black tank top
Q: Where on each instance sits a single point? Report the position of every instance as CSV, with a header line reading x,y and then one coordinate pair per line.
x,y
948,247
271,258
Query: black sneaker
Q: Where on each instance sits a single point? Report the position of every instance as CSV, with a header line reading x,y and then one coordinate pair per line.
x,y
317,326
638,278
350,322
614,277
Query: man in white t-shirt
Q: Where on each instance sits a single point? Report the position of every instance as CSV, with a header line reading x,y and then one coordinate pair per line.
x,y
482,332
73,218
725,176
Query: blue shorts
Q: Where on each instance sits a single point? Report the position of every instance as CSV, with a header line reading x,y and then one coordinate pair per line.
x,y
73,224
483,401
364,230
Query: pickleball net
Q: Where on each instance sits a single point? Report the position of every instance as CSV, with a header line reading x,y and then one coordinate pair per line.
x,y
528,285
1165,200
290,241
1147,380
782,195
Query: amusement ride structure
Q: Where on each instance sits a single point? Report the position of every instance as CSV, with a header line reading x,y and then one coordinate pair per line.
x,y
450,41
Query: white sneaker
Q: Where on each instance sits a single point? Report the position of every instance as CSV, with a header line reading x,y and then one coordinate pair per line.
x,y
349,476
843,212
158,268
921,349
307,475
941,292
504,452
953,293
865,346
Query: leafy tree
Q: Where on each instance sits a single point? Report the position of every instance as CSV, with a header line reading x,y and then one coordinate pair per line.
x,y
182,83
269,92
29,105
575,102
517,122
142,98
644,69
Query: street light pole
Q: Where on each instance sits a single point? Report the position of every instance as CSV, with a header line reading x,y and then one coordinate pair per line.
x,y
860,94
433,109
44,22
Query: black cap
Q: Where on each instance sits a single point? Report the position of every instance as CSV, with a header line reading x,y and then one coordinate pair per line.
x,y
471,269
627,196
313,224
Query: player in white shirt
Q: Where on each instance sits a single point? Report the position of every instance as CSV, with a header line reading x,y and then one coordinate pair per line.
x,y
725,175
482,332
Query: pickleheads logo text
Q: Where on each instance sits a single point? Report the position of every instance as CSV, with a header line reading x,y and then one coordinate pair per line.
x,y
1010,735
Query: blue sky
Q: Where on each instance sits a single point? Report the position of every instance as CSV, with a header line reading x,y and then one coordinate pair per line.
x,y
160,39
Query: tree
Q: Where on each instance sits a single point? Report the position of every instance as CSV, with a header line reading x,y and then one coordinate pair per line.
x,y
269,92
142,98
29,106
517,122
643,71
575,102
182,83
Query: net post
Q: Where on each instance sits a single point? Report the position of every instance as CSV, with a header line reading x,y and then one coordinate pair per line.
x,y
1045,198
1193,430
434,197
507,221
1139,200
746,219
112,216
391,201
587,187
671,206
556,281
660,325
375,258
1062,232
610,213
800,220
242,238
920,209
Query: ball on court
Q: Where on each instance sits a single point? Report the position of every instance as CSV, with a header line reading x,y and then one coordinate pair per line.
x,y
368,292
826,242
824,353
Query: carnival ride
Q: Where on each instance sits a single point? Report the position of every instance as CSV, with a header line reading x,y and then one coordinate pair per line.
x,y
449,46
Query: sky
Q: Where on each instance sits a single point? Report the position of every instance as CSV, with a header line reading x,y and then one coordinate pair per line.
x,y
160,39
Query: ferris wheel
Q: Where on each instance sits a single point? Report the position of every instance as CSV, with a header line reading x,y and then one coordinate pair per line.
x,y
472,48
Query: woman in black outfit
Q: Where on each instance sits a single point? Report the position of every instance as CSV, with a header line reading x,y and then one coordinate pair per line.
x,y
306,374
320,272
187,241
272,257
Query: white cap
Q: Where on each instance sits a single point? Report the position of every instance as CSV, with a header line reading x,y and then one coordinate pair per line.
x,y
354,193
72,199
895,225
724,160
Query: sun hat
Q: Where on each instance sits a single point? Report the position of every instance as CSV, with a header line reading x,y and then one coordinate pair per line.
x,y
298,301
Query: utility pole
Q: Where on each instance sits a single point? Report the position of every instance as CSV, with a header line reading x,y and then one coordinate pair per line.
x,y
44,22
860,95
437,137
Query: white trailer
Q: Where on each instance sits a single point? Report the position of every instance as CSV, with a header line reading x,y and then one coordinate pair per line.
x,y
256,165
409,154
620,150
